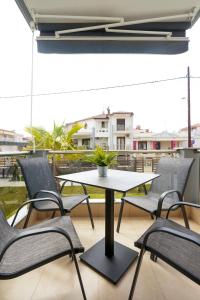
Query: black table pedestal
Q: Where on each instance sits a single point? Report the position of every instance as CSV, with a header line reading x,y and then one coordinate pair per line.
x,y
113,267
108,257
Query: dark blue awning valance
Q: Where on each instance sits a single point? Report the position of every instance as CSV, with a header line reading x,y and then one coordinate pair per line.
x,y
99,41
139,47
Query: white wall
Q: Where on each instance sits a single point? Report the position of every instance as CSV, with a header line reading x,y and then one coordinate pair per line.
x,y
128,133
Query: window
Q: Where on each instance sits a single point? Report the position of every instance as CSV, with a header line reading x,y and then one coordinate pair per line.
x,y
142,145
86,143
157,145
75,141
103,125
120,124
120,143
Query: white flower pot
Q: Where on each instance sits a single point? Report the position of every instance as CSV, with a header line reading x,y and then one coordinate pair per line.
x,y
102,171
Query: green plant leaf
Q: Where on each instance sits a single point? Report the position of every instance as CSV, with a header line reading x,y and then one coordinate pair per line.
x,y
100,157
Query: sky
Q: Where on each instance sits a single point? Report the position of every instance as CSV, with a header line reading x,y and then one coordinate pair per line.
x,y
158,107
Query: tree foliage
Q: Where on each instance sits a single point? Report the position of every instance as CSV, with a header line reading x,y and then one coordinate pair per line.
x,y
57,139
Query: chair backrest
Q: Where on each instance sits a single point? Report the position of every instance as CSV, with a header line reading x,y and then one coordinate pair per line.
x,y
174,174
37,175
6,232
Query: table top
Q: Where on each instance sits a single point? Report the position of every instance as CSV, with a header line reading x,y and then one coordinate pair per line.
x,y
121,181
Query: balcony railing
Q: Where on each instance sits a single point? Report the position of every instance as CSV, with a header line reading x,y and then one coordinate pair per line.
x,y
12,139
121,128
12,187
8,160
104,130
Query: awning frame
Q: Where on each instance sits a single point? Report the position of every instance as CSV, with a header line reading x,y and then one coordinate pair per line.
x,y
122,23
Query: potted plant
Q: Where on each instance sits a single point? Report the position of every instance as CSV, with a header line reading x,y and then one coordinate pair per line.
x,y
101,159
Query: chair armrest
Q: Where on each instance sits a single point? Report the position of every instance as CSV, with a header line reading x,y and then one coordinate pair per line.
x,y
37,231
63,185
56,195
83,186
173,232
162,197
38,200
181,204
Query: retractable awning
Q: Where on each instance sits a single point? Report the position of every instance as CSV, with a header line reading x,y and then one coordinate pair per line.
x,y
111,26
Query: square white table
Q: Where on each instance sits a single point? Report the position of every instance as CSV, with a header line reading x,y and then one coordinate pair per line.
x,y
109,258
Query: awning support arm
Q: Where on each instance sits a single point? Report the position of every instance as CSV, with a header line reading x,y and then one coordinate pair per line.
x,y
120,23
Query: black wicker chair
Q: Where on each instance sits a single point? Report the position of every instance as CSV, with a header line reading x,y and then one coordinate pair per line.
x,y
176,245
165,190
40,182
23,250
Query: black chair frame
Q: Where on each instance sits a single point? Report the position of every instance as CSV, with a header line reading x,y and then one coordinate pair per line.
x,y
159,209
161,199
170,231
40,231
54,194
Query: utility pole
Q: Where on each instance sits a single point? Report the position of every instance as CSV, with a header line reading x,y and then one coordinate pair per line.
x,y
189,114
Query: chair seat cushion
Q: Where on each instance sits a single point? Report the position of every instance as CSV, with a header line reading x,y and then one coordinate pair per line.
x,y
69,203
149,202
29,252
180,253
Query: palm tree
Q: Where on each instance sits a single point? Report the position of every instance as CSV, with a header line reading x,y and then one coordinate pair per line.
x,y
57,139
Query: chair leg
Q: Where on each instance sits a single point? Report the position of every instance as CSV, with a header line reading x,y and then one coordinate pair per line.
x,y
53,214
90,213
136,274
153,257
28,216
185,217
152,216
79,276
71,256
145,189
120,215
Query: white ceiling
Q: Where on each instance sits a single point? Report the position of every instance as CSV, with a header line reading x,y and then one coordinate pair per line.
x,y
129,9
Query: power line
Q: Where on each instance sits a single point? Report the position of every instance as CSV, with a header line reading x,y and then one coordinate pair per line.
x,y
97,89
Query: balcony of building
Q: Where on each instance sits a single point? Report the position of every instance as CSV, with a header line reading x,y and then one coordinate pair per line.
x,y
121,129
102,132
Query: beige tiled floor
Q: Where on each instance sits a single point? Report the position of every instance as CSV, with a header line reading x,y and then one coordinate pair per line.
x,y
58,280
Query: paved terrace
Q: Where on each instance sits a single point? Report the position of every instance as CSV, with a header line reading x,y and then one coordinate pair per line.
x,y
58,280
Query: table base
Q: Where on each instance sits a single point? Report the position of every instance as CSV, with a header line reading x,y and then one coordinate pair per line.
x,y
112,268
